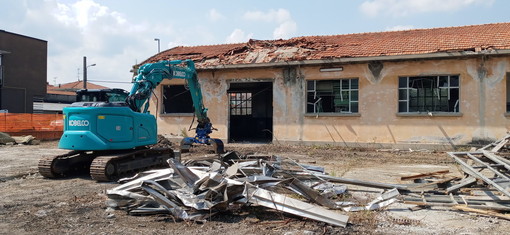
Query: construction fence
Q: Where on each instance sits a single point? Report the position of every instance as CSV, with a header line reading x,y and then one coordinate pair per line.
x,y
41,126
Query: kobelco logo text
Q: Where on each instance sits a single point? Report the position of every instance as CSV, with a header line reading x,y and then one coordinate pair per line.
x,y
179,74
79,123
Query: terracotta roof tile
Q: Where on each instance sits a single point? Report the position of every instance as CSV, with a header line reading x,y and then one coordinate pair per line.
x,y
71,88
406,42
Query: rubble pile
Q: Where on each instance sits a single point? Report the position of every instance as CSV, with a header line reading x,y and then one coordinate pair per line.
x,y
484,187
197,189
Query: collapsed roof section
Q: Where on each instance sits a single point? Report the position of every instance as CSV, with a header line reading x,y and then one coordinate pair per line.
x,y
474,38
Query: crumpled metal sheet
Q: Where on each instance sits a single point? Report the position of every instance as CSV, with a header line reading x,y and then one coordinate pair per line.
x,y
266,198
192,193
381,201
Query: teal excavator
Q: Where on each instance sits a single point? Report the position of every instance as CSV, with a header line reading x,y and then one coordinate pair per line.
x,y
114,139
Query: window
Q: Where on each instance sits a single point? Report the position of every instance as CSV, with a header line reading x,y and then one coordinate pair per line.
x,y
240,104
428,94
177,99
332,96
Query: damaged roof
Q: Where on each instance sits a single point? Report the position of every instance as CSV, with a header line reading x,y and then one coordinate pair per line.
x,y
472,38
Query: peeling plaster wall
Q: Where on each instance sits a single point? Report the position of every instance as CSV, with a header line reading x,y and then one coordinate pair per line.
x,y
482,106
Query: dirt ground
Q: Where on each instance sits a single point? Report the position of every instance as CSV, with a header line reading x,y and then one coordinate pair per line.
x,y
31,204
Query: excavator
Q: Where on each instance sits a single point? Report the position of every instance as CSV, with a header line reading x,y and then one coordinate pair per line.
x,y
116,139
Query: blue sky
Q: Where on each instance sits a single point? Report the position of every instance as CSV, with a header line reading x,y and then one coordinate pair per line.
x,y
115,34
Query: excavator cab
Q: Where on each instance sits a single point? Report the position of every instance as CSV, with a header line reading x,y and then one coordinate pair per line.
x,y
101,95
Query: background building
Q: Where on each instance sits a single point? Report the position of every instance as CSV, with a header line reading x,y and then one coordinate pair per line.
x,y
23,66
412,88
62,95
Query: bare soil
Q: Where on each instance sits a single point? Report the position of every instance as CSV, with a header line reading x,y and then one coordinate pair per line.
x,y
31,204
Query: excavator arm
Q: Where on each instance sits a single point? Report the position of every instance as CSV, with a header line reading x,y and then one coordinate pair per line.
x,y
152,74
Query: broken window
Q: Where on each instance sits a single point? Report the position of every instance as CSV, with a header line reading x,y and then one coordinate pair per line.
x,y
332,96
240,103
428,94
177,99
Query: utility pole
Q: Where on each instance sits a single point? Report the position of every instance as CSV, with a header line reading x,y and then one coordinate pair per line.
x,y
85,71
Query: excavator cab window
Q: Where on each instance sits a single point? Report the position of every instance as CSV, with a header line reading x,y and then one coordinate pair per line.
x,y
101,95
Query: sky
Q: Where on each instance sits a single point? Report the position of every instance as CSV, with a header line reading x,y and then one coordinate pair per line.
x,y
116,34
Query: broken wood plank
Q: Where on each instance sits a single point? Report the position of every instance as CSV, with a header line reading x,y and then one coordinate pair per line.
x,y
480,211
418,176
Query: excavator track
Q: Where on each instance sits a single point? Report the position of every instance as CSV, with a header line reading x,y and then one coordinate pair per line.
x,y
113,167
65,164
104,165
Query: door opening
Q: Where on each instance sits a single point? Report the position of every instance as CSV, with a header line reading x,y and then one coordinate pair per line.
x,y
251,112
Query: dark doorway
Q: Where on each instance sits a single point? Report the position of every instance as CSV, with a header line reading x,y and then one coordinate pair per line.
x,y
251,112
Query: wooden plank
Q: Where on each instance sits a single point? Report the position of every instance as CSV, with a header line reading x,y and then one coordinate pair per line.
x,y
480,211
424,175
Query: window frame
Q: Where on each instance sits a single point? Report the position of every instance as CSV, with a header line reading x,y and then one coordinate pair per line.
x,y
164,99
350,89
241,105
437,78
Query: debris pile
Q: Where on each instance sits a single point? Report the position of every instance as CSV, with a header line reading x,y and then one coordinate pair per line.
x,y
484,188
197,189
28,139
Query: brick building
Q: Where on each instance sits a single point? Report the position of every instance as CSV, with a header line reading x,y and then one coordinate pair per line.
x,y
413,88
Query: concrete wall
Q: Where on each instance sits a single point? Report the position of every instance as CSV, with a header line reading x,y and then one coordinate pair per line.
x,y
482,114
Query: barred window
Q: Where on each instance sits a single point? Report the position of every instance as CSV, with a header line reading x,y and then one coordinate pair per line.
x,y
428,94
240,103
332,96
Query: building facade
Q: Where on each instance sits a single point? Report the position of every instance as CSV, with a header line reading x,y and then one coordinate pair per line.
x,y
23,68
423,88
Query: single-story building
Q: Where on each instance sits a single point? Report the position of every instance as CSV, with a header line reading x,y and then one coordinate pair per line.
x,y
412,88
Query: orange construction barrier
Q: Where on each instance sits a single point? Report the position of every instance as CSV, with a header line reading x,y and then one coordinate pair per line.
x,y
41,126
